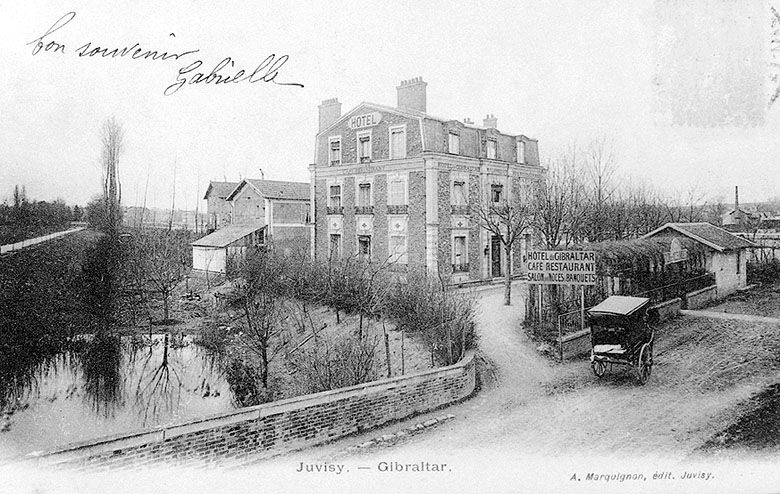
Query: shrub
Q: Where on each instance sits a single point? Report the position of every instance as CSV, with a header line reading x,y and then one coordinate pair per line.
x,y
442,318
246,384
324,366
763,272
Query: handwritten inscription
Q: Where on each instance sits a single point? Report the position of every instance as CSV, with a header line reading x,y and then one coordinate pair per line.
x,y
224,72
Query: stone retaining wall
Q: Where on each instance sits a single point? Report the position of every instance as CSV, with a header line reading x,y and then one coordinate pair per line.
x,y
668,309
272,428
700,298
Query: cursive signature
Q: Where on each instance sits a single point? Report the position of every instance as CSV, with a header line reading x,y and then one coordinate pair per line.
x,y
266,71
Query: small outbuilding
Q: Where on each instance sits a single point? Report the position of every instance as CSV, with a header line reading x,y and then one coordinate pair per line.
x,y
215,252
725,252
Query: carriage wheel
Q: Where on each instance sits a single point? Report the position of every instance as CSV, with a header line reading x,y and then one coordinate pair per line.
x,y
645,363
599,368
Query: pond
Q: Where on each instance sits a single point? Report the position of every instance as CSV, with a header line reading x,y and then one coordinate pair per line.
x,y
111,385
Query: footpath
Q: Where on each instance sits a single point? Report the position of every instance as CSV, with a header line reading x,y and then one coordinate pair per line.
x,y
730,316
37,240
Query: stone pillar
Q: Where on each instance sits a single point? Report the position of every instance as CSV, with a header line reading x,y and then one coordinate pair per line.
x,y
432,215
312,209
484,236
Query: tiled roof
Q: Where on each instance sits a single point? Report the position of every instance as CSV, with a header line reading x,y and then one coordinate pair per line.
x,y
220,189
226,236
277,189
407,112
706,233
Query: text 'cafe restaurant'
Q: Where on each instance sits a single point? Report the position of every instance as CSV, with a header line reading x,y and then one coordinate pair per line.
x,y
564,267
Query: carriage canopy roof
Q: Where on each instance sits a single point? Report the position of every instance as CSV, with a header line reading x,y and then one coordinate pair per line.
x,y
619,305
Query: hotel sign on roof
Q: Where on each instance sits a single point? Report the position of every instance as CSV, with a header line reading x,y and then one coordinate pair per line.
x,y
561,267
367,120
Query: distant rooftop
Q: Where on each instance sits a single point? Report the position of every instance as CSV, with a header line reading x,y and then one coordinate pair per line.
x,y
220,189
276,189
706,233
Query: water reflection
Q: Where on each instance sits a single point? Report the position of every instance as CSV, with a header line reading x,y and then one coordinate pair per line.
x,y
107,385
66,376
101,367
159,384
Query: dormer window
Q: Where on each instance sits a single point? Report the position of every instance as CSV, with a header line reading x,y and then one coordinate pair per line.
x,y
491,149
453,143
520,152
335,151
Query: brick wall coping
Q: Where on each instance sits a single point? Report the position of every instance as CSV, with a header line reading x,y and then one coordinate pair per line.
x,y
162,433
666,303
701,290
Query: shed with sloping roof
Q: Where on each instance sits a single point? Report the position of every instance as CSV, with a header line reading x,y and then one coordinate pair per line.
x,y
726,257
216,251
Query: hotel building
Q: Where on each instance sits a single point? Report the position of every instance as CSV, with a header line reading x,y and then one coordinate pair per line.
x,y
398,184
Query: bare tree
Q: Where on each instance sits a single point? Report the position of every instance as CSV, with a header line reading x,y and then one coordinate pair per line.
x,y
774,63
507,219
559,201
694,204
600,169
159,263
262,313
716,208
112,138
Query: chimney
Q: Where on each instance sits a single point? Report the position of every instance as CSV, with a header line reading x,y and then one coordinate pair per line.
x,y
330,111
412,94
736,197
490,121
468,121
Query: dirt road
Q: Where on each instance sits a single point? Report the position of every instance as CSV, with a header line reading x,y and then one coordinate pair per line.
x,y
544,409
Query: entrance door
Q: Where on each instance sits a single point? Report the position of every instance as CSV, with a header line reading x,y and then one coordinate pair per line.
x,y
495,256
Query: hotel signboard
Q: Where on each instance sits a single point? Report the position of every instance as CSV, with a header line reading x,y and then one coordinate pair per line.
x,y
561,267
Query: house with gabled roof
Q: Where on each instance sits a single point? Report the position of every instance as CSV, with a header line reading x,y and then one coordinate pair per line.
x,y
282,206
218,208
259,214
726,255
397,184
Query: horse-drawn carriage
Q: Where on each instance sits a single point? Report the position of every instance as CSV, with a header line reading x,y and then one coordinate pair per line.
x,y
620,335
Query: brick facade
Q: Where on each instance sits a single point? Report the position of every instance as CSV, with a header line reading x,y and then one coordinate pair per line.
x,y
218,208
267,430
431,219
283,207
248,207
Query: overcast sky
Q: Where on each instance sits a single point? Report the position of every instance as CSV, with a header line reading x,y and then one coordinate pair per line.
x,y
681,93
